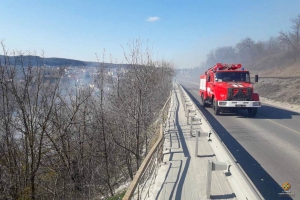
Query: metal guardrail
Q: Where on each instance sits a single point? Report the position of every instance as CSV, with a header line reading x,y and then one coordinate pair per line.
x,y
249,187
147,172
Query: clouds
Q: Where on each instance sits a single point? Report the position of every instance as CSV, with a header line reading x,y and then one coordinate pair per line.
x,y
153,19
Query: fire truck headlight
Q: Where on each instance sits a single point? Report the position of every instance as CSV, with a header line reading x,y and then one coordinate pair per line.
x,y
256,103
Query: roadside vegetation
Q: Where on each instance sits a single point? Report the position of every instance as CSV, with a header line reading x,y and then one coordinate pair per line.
x,y
278,56
60,141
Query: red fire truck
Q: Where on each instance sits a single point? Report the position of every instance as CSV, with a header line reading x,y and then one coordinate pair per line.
x,y
227,87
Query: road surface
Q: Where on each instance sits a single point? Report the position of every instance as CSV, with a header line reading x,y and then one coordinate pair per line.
x,y
267,146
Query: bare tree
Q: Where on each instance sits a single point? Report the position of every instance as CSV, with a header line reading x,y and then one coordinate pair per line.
x,y
69,141
136,99
28,100
104,139
292,38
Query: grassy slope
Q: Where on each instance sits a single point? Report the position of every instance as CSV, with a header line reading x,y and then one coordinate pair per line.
x,y
290,71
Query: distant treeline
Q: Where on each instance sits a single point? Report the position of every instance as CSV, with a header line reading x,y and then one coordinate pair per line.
x,y
282,50
55,62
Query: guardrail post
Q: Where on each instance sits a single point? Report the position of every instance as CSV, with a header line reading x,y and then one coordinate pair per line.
x,y
187,116
199,134
191,126
184,102
197,138
213,166
208,182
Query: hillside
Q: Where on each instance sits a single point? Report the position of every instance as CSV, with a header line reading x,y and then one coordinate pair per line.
x,y
290,71
55,62
282,92
277,65
281,86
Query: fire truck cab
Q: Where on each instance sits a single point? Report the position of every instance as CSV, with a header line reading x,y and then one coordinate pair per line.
x,y
228,87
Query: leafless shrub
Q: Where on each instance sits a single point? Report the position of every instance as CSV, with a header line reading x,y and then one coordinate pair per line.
x,y
67,141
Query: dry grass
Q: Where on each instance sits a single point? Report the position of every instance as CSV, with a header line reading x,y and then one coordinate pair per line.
x,y
290,71
285,90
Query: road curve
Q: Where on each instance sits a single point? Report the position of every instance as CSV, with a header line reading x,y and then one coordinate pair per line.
x,y
267,147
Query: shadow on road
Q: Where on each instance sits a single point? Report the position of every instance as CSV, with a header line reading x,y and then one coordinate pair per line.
x,y
186,154
271,112
266,185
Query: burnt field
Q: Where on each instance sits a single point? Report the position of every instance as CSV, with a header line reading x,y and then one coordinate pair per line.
x,y
281,89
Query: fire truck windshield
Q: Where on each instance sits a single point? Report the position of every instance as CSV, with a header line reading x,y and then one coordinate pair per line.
x,y
232,76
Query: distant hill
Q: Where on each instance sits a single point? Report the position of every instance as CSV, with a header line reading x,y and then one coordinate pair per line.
x,y
55,62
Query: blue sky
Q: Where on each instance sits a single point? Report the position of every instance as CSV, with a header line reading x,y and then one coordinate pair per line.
x,y
179,31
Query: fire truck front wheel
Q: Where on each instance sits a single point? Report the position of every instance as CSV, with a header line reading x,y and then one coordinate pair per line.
x,y
202,101
252,112
216,107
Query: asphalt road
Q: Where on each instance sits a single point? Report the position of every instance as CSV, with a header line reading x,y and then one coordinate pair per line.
x,y
267,147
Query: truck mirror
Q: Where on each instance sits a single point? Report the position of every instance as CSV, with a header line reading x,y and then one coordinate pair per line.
x,y
256,78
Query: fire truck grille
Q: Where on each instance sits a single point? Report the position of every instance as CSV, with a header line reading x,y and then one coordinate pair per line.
x,y
239,94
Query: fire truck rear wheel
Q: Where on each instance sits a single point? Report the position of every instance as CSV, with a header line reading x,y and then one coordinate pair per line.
x,y
252,112
216,107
